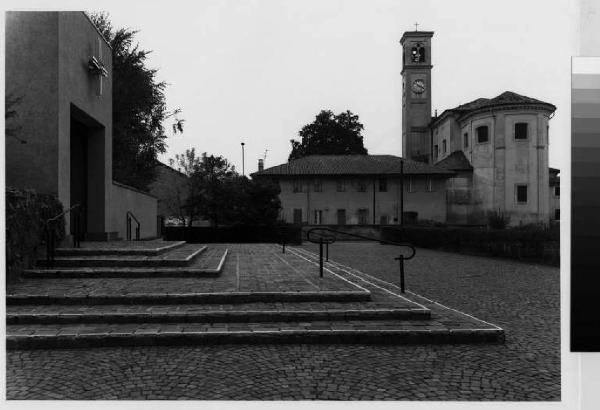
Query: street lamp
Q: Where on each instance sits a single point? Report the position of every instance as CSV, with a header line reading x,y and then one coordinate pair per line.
x,y
243,173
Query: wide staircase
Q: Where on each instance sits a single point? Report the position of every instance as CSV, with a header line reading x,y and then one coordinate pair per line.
x,y
166,293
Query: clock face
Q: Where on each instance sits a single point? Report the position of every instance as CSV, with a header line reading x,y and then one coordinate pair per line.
x,y
418,86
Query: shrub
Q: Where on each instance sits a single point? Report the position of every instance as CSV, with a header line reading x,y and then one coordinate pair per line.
x,y
498,220
26,214
235,233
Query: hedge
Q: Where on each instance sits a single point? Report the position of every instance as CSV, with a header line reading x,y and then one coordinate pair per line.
x,y
235,234
532,243
26,214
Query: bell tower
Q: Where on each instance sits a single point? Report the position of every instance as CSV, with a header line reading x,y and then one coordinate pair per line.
x,y
416,94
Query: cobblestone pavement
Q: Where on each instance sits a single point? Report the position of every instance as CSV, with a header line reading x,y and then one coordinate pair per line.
x,y
521,298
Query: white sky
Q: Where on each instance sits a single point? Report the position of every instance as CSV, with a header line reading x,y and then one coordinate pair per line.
x,y
257,71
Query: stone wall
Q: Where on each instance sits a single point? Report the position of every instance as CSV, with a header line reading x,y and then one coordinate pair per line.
x,y
141,204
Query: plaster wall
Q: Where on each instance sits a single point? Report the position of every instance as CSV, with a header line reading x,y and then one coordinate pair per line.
x,y
142,205
428,204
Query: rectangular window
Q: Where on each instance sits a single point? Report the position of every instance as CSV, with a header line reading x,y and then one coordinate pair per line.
x,y
384,220
340,185
318,215
318,186
429,184
341,217
444,148
362,186
296,185
382,185
298,216
466,140
522,194
435,151
409,185
482,134
556,191
362,216
521,131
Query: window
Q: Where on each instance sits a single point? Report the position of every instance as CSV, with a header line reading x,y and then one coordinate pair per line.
x,y
382,185
557,214
318,217
556,191
429,184
409,186
521,131
362,186
482,134
318,186
466,139
522,194
362,216
384,220
298,216
444,149
341,217
340,185
435,151
296,185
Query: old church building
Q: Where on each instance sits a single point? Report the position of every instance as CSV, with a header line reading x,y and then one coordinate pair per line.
x,y
486,156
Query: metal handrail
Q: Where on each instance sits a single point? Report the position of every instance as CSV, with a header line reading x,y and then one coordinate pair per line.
x,y
51,232
129,215
327,239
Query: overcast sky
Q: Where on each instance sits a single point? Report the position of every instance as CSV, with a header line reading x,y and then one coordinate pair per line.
x,y
257,71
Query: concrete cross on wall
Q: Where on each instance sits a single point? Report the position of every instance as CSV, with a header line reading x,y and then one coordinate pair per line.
x,y
96,67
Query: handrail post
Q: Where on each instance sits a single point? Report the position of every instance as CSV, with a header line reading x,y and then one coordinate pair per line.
x,y
321,257
137,232
327,251
48,248
401,259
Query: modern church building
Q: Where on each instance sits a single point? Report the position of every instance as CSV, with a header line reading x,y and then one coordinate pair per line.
x,y
486,156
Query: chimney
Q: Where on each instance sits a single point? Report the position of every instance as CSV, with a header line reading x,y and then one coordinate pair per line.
x,y
261,164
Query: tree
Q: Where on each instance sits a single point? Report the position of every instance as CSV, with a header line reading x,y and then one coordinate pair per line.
x,y
330,134
139,108
217,192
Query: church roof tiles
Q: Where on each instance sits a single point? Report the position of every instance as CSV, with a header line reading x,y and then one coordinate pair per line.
x,y
352,165
455,162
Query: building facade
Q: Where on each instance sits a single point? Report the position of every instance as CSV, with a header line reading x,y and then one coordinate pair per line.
x,y
358,190
501,145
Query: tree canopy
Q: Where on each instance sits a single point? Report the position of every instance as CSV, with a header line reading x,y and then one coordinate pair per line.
x,y
216,191
139,108
330,134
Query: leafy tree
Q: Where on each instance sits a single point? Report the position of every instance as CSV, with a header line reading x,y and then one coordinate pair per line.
x,y
139,108
217,192
330,134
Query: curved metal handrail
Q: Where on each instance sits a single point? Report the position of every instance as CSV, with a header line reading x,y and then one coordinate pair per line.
x,y
328,238
129,216
51,233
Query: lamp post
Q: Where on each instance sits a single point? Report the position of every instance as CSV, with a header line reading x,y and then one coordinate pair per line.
x,y
243,173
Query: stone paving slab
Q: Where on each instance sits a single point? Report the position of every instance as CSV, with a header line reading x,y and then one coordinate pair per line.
x,y
209,263
149,248
180,256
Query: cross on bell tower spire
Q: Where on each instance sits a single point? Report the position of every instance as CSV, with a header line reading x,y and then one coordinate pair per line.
x,y
416,26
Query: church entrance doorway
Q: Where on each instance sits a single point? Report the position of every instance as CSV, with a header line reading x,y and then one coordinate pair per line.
x,y
79,173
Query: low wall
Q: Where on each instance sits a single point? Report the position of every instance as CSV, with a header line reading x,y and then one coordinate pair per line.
x,y
371,231
235,234
143,205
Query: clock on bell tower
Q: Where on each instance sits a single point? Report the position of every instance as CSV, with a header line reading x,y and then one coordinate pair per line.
x,y
416,94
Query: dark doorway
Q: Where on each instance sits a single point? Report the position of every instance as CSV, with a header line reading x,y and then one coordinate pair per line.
x,y
298,216
341,217
79,173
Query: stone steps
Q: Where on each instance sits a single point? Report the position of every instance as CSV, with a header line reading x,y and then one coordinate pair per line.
x,y
315,331
149,248
211,267
187,298
182,256
113,314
